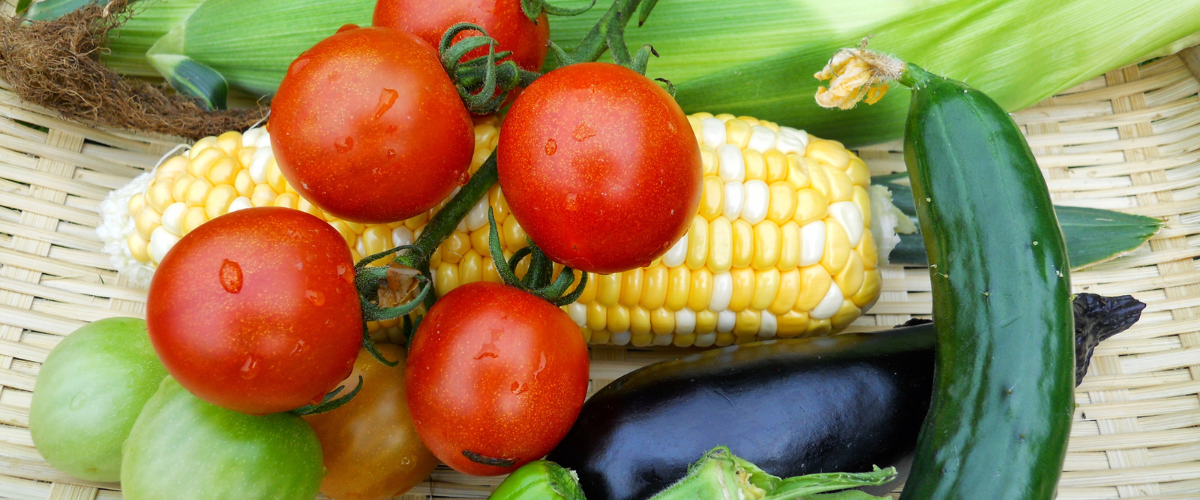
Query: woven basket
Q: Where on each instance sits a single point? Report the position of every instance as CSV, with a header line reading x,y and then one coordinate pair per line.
x,y
1128,140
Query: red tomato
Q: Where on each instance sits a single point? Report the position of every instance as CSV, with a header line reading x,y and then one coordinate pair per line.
x,y
502,19
256,311
495,372
372,451
600,167
367,126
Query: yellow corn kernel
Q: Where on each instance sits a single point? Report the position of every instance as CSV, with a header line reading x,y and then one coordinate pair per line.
x,y
263,196
706,321
750,120
737,132
818,327
480,240
684,340
138,247
454,248
197,192
724,339
201,145
342,228
445,279
246,156
743,289
178,185
173,164
792,324
147,221
783,202
304,206
720,245
631,287
837,247
840,186
136,203
777,166
747,323
724,117
589,290
224,171
696,128
470,268
766,288
863,201
662,321
869,292
858,172
701,291
499,205
712,198
789,246
814,284
639,321
679,283
654,287
204,161
828,152
288,188
193,218
608,289
789,291
869,252
641,340
756,166
819,178
697,243
288,200
159,196
377,238
708,159
419,221
618,319
702,115
743,243
597,317
490,274
846,315
275,177
230,142
514,236
797,172
218,201
598,337
811,205
767,241
850,280
243,183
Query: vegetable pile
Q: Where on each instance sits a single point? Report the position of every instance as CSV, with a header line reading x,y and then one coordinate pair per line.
x,y
406,263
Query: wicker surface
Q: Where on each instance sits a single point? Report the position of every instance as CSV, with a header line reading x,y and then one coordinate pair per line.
x,y
1129,141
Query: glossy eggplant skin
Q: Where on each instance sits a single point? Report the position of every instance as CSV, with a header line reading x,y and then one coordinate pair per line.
x,y
793,407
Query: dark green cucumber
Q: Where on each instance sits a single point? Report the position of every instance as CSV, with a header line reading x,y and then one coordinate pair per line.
x,y
1004,374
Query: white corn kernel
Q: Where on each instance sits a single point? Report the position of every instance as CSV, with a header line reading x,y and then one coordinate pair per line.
x,y
264,140
812,243
722,292
735,197
663,340
250,138
725,321
172,217
791,140
578,313
402,236
768,326
685,321
259,164
851,217
239,203
478,216
713,131
677,255
828,305
757,201
161,242
731,164
762,139
621,338
706,339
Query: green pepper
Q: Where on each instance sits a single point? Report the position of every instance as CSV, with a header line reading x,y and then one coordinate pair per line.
x,y
537,481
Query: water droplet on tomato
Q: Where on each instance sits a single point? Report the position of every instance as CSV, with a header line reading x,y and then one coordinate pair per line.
x,y
347,27
406,463
299,266
518,388
299,348
346,272
391,129
298,64
583,132
464,178
78,400
391,153
387,98
551,147
231,276
572,203
315,297
249,368
344,145
541,367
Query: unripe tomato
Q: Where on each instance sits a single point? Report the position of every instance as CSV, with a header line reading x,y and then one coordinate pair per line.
x,y
372,451
495,375
367,126
600,167
256,311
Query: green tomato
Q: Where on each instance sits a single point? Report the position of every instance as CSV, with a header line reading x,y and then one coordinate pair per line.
x,y
183,448
88,394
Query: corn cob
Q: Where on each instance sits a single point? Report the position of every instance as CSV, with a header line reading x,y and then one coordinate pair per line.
x,y
781,245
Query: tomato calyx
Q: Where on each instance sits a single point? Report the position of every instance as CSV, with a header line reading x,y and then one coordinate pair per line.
x,y
534,9
414,280
482,83
328,403
539,278
484,460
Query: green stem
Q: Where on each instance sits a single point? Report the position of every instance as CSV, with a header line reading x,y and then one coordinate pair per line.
x,y
443,223
913,76
596,42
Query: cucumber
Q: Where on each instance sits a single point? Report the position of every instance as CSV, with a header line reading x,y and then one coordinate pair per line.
x,y
1004,374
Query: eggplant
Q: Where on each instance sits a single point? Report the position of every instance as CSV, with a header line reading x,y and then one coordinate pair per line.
x,y
793,407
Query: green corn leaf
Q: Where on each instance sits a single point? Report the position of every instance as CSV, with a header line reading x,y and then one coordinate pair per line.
x,y
188,76
151,20
49,10
758,58
22,6
1093,235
